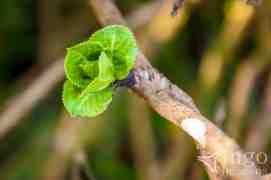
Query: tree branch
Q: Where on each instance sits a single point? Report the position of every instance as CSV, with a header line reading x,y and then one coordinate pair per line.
x,y
142,15
176,106
20,105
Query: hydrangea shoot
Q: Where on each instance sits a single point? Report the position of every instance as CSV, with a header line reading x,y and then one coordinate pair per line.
x,y
93,66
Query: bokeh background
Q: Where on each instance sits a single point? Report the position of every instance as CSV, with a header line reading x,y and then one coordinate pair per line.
x,y
218,51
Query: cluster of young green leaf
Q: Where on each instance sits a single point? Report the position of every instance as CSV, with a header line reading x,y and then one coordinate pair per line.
x,y
93,66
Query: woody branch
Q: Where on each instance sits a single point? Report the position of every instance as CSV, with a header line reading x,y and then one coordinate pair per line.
x,y
176,106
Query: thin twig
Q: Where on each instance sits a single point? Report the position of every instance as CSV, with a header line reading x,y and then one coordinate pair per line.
x,y
258,135
71,136
143,14
21,104
49,20
175,105
179,159
246,77
81,169
237,19
162,28
242,86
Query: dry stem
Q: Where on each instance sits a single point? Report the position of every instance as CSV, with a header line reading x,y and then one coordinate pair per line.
x,y
176,106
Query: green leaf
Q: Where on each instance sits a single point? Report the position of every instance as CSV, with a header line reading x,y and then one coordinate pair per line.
x,y
119,43
105,77
87,105
92,66
79,58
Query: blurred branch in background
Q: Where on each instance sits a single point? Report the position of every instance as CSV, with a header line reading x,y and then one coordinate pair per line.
x,y
179,157
240,94
248,73
57,29
142,140
237,18
258,135
144,14
162,28
49,22
18,106
80,167
71,137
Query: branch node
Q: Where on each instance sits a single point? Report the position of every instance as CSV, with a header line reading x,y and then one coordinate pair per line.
x,y
128,82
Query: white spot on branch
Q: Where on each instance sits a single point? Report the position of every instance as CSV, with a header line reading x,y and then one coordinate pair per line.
x,y
195,128
164,83
145,75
